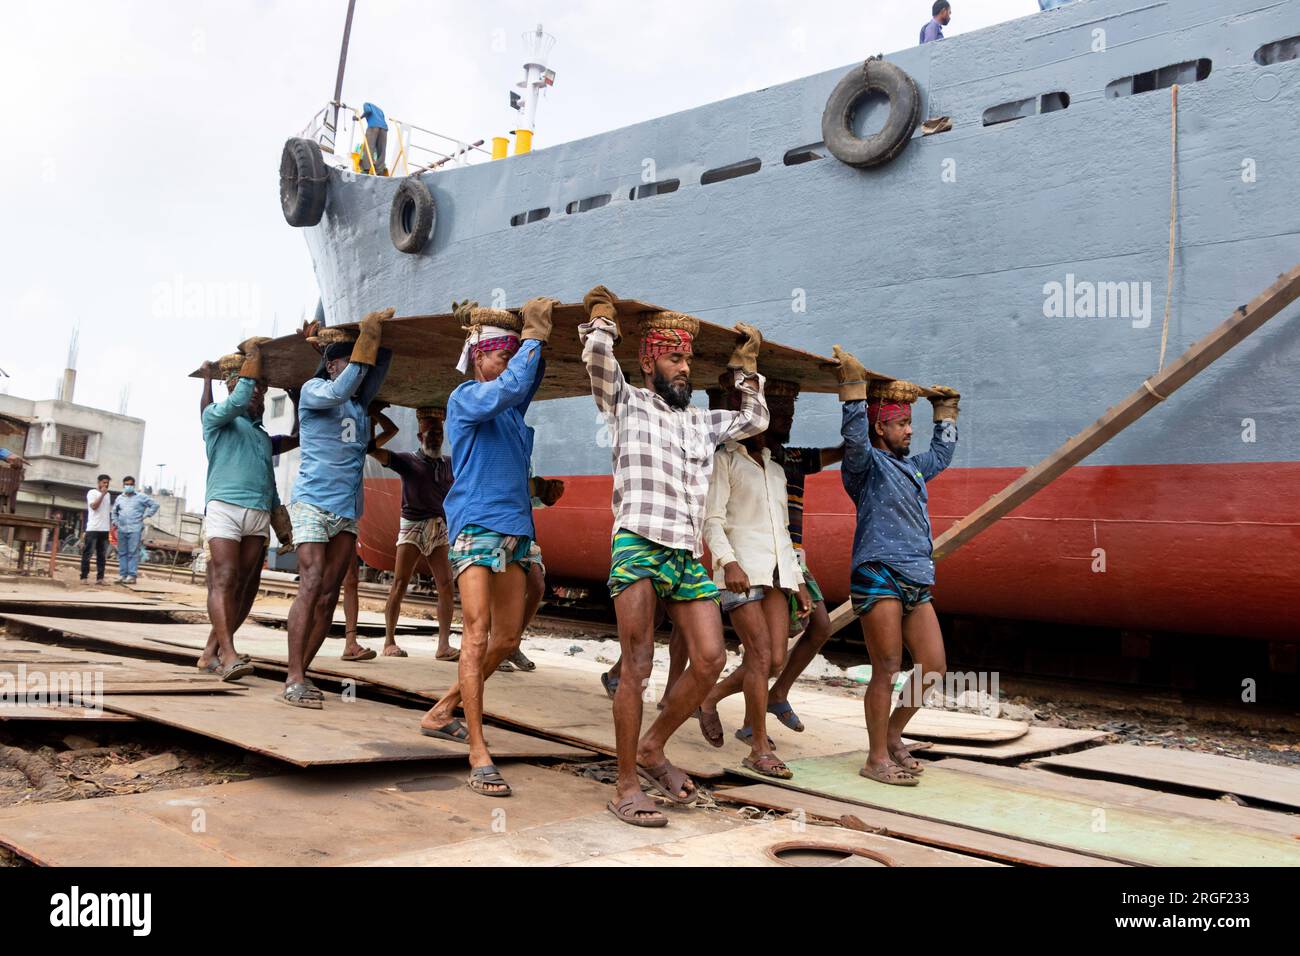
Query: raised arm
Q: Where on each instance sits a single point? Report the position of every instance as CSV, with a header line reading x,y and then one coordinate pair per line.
x,y
944,442
222,413
480,401
752,418
205,399
320,393
375,379
599,334
387,431
831,456
858,458
280,444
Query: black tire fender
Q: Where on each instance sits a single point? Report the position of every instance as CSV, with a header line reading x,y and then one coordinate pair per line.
x,y
880,76
303,182
412,216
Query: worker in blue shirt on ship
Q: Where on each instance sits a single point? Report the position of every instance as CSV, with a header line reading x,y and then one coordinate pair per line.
x,y
372,157
942,16
327,499
129,513
893,567
490,512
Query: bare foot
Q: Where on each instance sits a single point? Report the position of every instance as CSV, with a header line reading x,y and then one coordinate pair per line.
x,y
392,650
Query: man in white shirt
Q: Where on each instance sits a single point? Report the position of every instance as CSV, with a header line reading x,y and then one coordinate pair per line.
x,y
98,505
747,530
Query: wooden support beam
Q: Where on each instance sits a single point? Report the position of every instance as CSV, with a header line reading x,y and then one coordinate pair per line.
x,y
1245,320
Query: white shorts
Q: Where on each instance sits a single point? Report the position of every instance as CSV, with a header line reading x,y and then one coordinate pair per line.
x,y
233,522
427,535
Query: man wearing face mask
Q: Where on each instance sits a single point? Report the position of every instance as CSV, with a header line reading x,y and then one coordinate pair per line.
x,y
422,532
129,513
333,432
662,458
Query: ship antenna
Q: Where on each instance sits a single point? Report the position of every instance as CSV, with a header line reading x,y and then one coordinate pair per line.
x,y
536,79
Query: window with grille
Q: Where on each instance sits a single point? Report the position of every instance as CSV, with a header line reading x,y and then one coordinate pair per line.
x,y
73,444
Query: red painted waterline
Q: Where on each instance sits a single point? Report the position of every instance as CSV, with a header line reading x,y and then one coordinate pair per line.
x,y
1210,549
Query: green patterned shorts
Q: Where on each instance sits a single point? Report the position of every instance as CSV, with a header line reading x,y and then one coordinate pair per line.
x,y
675,574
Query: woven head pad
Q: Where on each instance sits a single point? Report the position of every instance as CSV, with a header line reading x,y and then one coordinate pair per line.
x,y
501,318
669,320
431,411
893,390
230,364
331,335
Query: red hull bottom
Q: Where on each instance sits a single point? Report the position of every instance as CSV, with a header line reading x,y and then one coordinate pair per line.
x,y
1209,549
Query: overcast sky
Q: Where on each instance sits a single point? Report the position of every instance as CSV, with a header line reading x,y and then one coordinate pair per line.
x,y
144,142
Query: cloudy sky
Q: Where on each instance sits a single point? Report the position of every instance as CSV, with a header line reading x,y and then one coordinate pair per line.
x,y
140,201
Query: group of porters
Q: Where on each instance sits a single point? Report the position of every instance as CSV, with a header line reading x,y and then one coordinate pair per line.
x,y
684,477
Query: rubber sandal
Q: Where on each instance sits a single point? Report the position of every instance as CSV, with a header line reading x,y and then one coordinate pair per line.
x,y
628,809
455,656
454,731
520,661
299,695
312,689
666,780
901,756
480,776
611,688
505,667
211,667
711,727
768,765
366,655
235,671
783,712
746,736
893,774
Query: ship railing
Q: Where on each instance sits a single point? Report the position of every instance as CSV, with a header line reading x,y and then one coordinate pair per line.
x,y
418,148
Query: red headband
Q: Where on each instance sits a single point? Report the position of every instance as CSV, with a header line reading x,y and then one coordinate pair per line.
x,y
887,411
657,342
496,344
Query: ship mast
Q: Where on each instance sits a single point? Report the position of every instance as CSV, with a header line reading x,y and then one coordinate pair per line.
x,y
338,81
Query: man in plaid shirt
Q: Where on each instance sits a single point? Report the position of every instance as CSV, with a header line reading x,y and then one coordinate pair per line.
x,y
662,460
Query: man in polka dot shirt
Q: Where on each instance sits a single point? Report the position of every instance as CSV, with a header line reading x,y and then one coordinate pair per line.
x,y
893,569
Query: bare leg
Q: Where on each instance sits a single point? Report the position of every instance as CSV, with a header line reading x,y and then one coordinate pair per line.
x,y
404,566
808,646
339,553
700,624
882,628
446,599
302,613
351,610
924,642
635,608
223,593
251,558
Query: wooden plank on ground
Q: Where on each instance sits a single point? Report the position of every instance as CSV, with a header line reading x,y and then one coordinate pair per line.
x,y
344,732
365,619
1185,768
426,348
1014,803
942,835
558,701
329,817
22,663
63,712
1039,740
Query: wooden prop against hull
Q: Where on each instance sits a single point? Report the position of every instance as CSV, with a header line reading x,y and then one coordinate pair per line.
x,y
426,347
1154,390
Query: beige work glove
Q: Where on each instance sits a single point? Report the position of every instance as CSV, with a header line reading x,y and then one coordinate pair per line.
x,y
365,350
851,374
537,319
252,349
945,404
599,303
745,355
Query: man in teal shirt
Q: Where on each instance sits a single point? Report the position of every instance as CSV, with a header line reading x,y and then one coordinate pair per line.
x,y
334,429
242,503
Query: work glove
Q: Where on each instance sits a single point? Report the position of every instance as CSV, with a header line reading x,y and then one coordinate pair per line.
x,y
599,303
945,404
365,350
745,355
282,527
851,374
252,350
537,319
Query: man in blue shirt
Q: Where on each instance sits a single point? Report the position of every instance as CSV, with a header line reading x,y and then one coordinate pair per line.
x,y
333,431
893,570
242,501
490,513
129,513
372,159
933,29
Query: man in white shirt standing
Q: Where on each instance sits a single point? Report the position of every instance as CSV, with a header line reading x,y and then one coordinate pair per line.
x,y
98,505
747,529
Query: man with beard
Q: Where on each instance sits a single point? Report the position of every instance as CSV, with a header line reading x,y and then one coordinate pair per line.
x,y
422,532
662,454
242,501
334,431
490,513
893,567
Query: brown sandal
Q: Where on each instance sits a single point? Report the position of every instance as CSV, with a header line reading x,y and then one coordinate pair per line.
x,y
632,809
667,780
893,774
769,765
710,727
903,757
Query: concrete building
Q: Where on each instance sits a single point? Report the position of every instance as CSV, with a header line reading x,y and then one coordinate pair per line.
x,y
67,445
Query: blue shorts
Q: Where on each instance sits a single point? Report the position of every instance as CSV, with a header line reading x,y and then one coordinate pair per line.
x,y
875,581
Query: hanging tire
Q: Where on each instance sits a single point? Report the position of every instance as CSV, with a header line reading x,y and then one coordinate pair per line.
x,y
302,182
874,76
411,218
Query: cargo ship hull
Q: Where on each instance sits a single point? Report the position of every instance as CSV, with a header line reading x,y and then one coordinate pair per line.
x,y
990,256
